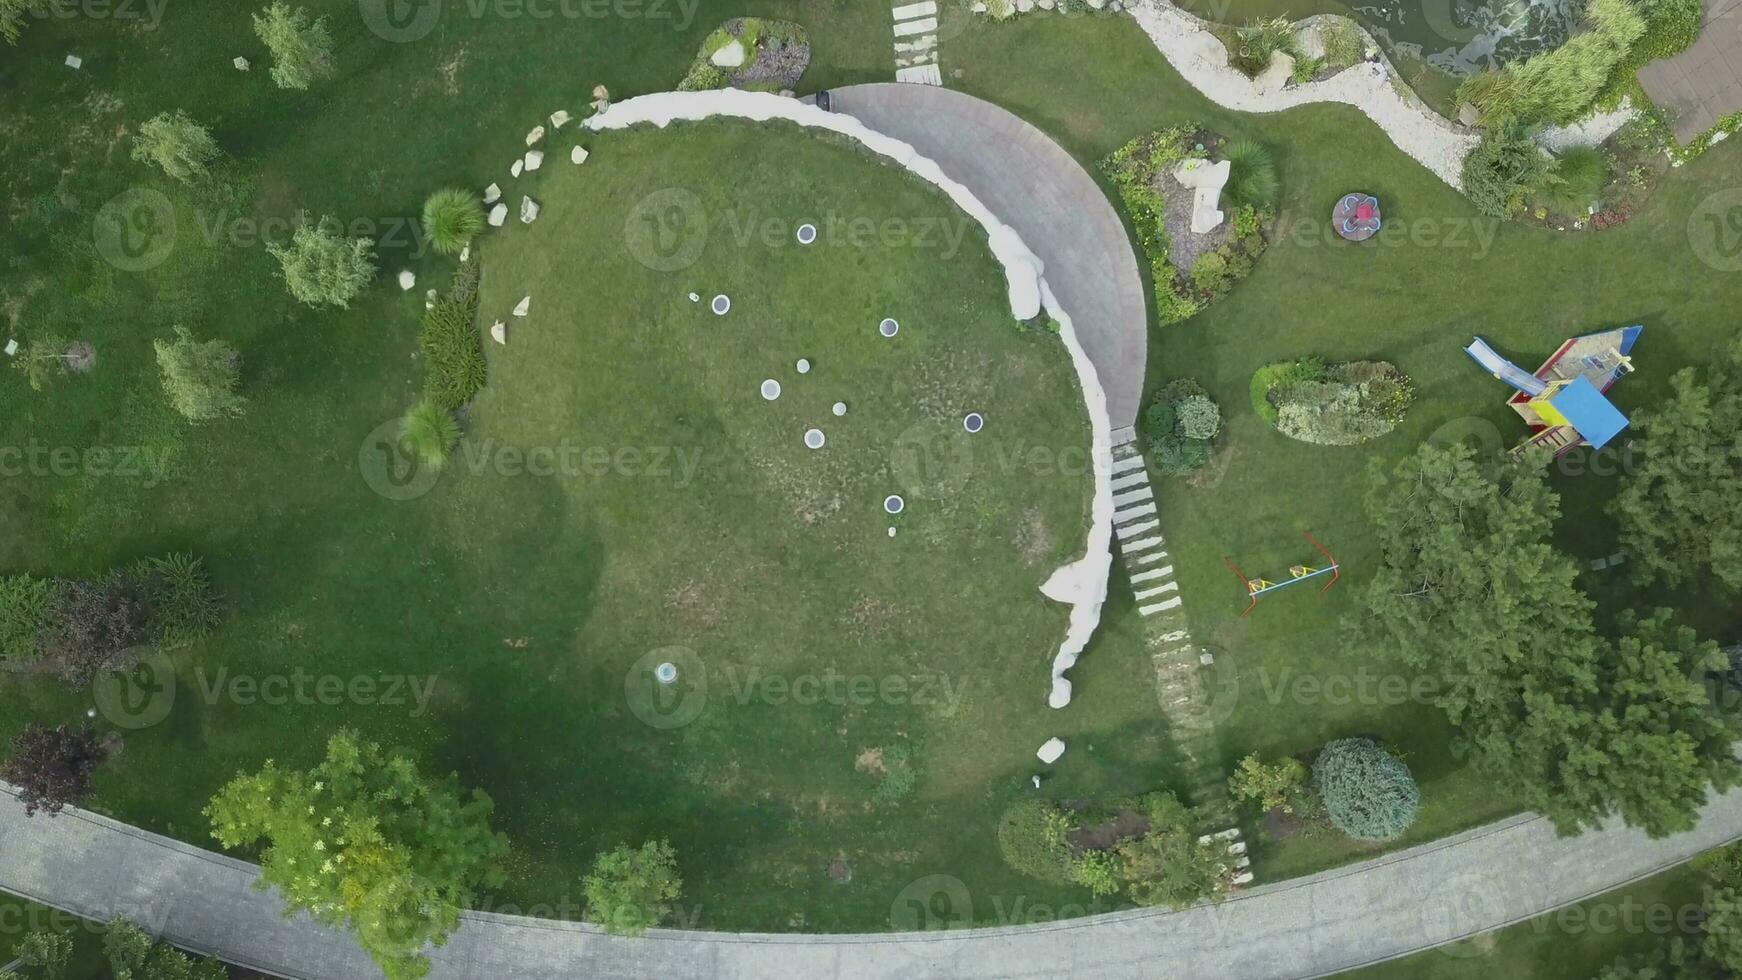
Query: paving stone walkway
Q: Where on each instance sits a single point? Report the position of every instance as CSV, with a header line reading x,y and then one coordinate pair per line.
x,y
916,43
1703,83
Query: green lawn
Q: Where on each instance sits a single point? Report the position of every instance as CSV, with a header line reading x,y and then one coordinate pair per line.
x,y
1286,680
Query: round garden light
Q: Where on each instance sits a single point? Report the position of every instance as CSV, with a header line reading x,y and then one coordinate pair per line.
x,y
973,422
888,327
893,504
721,304
665,673
807,233
803,365
814,439
840,409
770,389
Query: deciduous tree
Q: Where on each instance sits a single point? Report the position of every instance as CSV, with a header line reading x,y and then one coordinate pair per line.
x,y
631,889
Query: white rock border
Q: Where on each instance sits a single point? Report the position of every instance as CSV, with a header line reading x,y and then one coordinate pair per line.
x,y
1081,584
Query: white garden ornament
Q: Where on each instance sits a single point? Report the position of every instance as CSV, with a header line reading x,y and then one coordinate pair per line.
x,y
1050,750
1205,180
499,332
534,136
534,160
493,193
407,279
559,119
524,306
498,215
770,390
578,155
814,438
528,210
721,305
518,167
888,327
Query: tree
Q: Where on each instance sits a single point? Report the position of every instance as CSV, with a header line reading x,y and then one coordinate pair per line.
x,y
1680,505
1505,169
94,627
52,767
1368,793
182,147
13,13
200,377
1721,939
1573,725
322,268
450,218
302,51
365,841
48,952
133,955
1276,786
44,359
1168,865
631,889
1199,418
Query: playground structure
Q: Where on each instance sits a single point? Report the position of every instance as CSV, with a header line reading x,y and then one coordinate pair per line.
x,y
1565,402
1297,574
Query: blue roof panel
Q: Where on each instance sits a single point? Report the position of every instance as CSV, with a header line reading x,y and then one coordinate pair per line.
x,y
1596,418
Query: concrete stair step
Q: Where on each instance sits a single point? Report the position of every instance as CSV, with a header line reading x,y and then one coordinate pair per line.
x,y
1158,607
1149,559
1153,573
908,11
1133,496
920,75
1125,464
1133,512
912,28
1138,479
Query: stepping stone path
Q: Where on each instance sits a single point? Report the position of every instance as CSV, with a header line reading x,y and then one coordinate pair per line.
x,y
916,43
1181,666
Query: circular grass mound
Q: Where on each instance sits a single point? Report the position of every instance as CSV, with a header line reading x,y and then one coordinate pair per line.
x,y
674,507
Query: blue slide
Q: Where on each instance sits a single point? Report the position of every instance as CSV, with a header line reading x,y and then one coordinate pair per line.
x,y
1504,369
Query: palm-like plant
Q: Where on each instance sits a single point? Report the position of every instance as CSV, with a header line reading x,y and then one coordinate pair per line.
x,y
430,433
450,218
1251,176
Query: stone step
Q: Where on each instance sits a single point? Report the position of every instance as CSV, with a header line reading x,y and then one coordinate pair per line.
x,y
913,47
908,11
1127,463
1137,479
1141,527
914,60
920,75
1132,547
913,28
1125,435
1153,573
1157,607
1149,559
1133,513
1133,496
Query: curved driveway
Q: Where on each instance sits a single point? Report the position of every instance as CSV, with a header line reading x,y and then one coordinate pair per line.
x,y
1306,927
1037,188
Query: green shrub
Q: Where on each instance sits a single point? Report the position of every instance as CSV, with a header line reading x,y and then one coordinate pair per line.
x,y
322,268
1210,273
1503,170
631,889
1579,178
1171,305
25,605
1368,793
1168,865
133,955
181,605
181,147
1031,836
1199,418
453,354
430,433
1341,405
899,775
1306,68
48,952
450,218
1276,786
1178,456
704,76
302,50
1561,85
1098,871
1342,42
1260,40
1252,178
200,377
1497,95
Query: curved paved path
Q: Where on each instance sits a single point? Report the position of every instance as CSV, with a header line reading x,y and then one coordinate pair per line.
x,y
1037,188
1307,927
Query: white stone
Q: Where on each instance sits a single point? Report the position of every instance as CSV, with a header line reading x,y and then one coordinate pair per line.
x,y
1276,74
840,409
466,253
1044,4
730,55
1050,751
534,136
518,167
11,347
407,279
524,306
241,64
695,297
429,300
979,6
493,193
803,366
74,62
578,155
1206,180
499,332
534,160
892,532
560,118
498,215
528,210
1098,4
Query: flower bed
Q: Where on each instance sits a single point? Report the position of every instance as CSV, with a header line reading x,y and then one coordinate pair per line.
x,y
1332,404
775,56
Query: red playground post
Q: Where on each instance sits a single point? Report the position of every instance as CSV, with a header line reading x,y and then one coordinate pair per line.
x,y
1296,573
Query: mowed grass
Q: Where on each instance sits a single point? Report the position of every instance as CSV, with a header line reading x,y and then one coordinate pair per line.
x,y
1287,680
